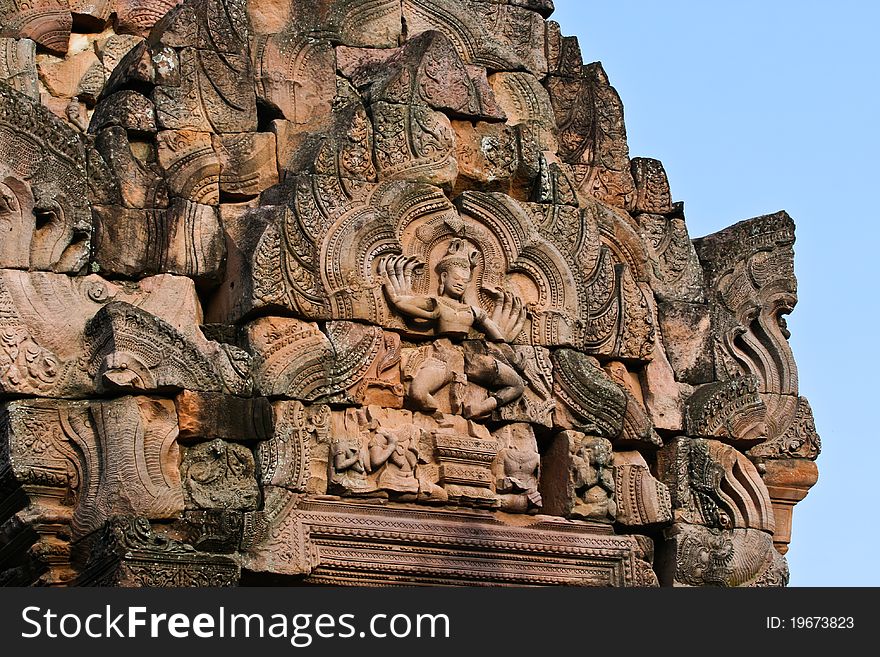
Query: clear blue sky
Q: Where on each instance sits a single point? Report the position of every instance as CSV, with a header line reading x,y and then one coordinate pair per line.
x,y
755,107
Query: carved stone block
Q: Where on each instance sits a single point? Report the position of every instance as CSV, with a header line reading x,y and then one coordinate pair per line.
x,y
589,400
676,274
126,109
526,398
652,195
517,469
47,22
116,456
751,268
138,16
577,479
212,531
518,34
686,331
76,75
663,395
253,277
522,99
292,358
797,439
190,165
731,410
115,47
464,453
714,485
18,67
296,75
133,350
366,365
699,556
638,428
128,552
486,154
563,52
641,499
426,70
368,24
413,142
45,160
219,475
592,135
295,457
212,94
248,163
117,176
184,239
218,26
343,150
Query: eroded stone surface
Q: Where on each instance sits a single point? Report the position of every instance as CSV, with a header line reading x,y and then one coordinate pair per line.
x,y
387,272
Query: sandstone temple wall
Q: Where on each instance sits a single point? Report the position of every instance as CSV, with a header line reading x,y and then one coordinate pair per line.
x,y
370,292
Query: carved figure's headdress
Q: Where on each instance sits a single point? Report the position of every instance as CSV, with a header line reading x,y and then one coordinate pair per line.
x,y
460,253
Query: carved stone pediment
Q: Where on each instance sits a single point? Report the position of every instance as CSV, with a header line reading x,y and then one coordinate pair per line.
x,y
370,292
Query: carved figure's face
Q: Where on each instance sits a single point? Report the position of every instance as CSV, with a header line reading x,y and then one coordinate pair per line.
x,y
454,281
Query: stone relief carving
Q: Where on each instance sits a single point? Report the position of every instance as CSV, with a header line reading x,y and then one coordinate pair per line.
x,y
363,292
517,469
714,485
583,486
219,475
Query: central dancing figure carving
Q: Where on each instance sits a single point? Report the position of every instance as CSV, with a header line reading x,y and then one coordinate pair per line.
x,y
449,314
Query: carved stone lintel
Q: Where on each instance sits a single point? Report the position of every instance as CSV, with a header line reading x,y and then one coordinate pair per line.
x,y
344,543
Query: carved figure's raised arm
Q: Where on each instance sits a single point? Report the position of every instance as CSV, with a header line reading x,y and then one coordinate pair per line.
x,y
396,272
507,319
